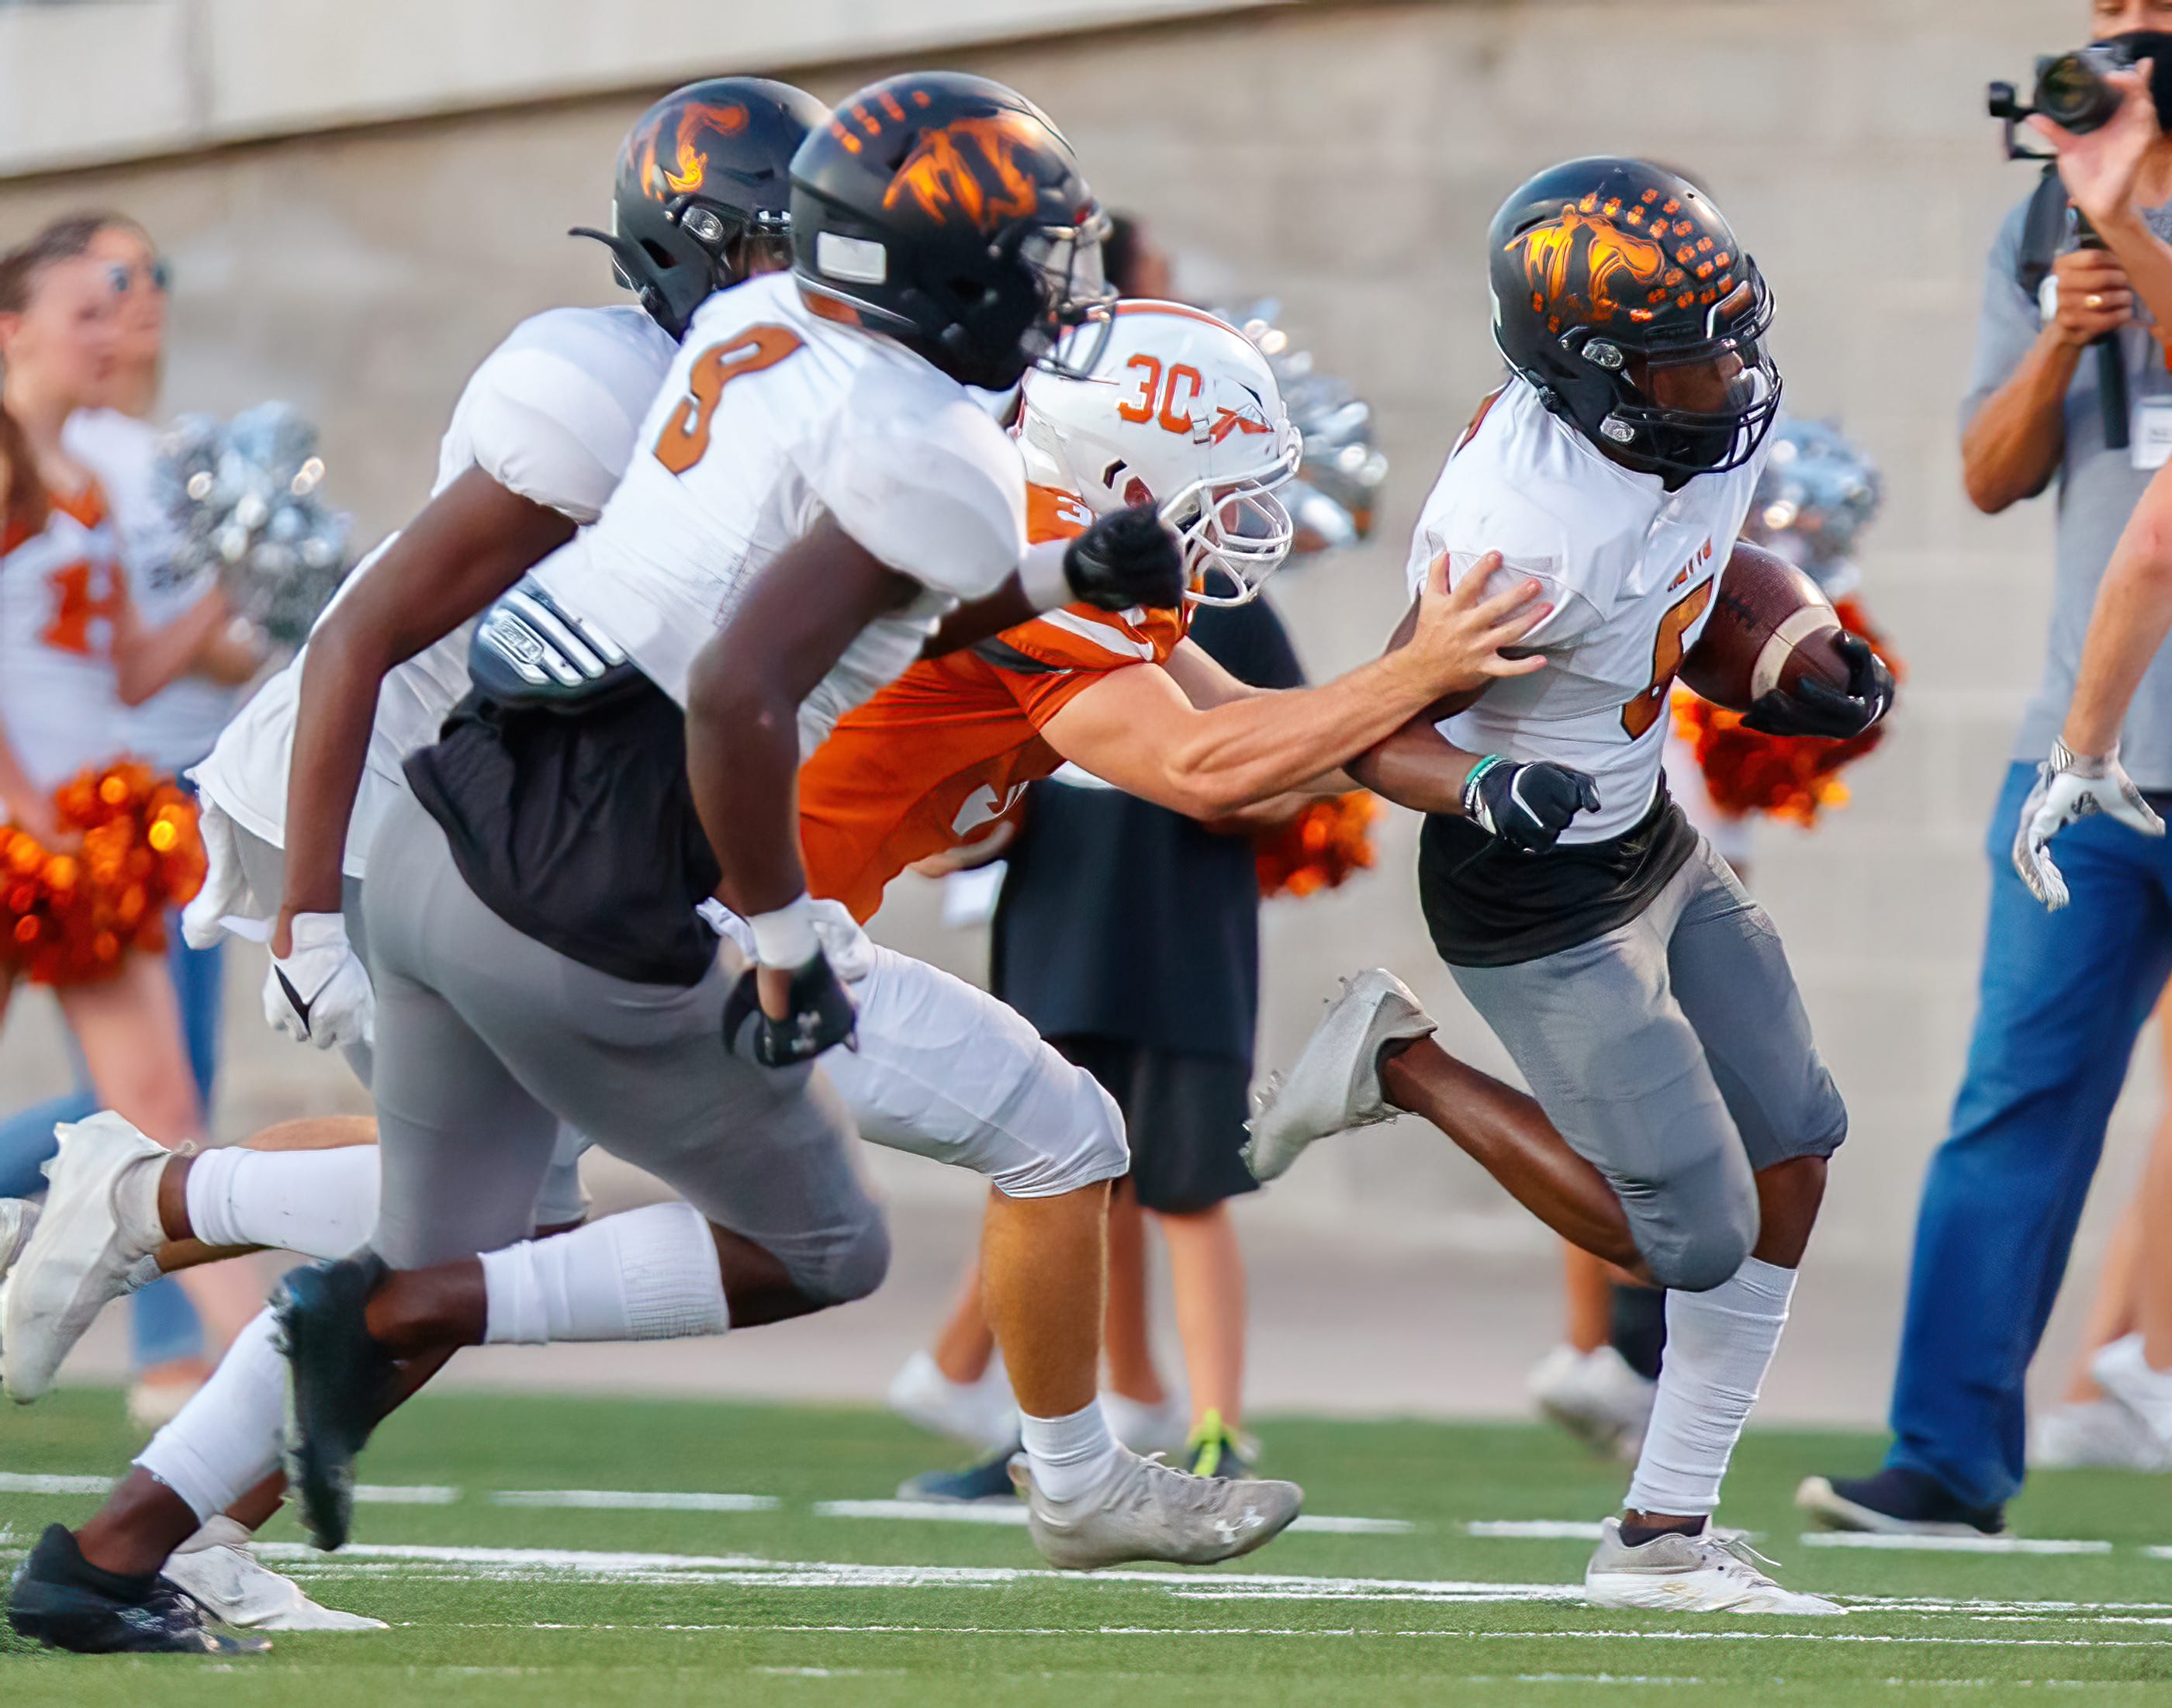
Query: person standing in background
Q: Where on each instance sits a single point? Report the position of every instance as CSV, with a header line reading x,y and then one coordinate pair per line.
x,y
116,442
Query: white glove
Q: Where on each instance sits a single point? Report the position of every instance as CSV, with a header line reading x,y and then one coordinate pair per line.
x,y
226,894
2070,786
320,992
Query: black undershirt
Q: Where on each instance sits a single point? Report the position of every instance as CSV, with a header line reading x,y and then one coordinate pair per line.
x,y
1489,905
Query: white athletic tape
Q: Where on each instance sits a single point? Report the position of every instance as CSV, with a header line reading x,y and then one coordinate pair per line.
x,y
1772,655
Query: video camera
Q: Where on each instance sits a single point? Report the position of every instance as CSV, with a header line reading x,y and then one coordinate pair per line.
x,y
2072,90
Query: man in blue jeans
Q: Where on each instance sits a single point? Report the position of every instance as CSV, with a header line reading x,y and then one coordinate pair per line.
x,y
2063,995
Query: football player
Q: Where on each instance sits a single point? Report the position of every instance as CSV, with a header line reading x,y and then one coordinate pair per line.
x,y
1643,995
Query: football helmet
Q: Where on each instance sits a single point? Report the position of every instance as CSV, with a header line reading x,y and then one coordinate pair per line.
x,y
947,211
1605,273
1182,409
703,194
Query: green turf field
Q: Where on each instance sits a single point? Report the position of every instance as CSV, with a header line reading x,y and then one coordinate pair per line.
x,y
549,1602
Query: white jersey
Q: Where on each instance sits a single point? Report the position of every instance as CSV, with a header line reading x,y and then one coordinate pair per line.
x,y
176,725
60,591
1630,569
551,415
772,416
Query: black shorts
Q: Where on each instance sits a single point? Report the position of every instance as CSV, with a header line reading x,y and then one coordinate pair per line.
x,y
1184,1114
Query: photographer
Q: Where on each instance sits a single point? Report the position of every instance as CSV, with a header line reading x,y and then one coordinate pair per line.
x,y
2062,995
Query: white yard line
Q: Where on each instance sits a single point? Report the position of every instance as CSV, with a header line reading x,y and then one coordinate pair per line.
x,y
1011,1513
635,1500
378,1494
406,1495
1948,1544
26,1483
1532,1529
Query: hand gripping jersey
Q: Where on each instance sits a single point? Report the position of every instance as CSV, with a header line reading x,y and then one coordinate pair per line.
x,y
938,757
1631,569
772,417
60,591
551,414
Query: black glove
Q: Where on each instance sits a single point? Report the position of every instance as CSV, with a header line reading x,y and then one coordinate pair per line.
x,y
1526,805
821,1014
1128,557
1814,709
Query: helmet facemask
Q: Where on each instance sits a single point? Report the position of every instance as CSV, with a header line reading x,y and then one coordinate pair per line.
x,y
1677,441
1235,532
1073,332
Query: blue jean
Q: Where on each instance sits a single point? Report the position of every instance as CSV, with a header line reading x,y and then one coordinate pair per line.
x,y
163,1323
2061,1000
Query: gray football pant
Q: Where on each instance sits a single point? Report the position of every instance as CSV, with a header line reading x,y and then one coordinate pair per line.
x,y
562,1199
1674,1055
487,1040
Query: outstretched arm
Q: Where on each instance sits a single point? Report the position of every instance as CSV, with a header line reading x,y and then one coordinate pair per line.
x,y
2127,628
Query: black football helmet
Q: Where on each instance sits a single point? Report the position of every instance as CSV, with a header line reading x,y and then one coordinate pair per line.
x,y
703,195
1606,270
947,211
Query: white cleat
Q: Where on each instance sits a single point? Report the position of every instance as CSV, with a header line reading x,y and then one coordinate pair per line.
x,y
1335,1085
1715,1572
19,1220
2125,1372
94,1243
2094,1435
1145,1510
979,1414
1596,1396
215,1569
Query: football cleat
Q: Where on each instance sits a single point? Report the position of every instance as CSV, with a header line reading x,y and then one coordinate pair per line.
x,y
1145,1510
985,1480
979,1414
1335,1085
1596,1396
215,1569
335,1386
2095,1435
1216,1450
60,1599
1895,1502
1712,1572
93,1243
1160,1428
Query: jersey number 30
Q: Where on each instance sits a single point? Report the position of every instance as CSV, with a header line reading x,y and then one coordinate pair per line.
x,y
686,436
1641,713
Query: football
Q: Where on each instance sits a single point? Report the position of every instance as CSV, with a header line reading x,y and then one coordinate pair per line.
x,y
1771,627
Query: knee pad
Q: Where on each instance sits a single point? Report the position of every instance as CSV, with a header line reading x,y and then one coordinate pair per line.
x,y
854,1267
1082,1135
1696,1228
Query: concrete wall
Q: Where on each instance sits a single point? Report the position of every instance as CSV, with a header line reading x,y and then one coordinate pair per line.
x,y
85,82
1347,159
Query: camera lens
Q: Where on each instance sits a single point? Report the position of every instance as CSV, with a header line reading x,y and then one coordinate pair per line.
x,y
2071,91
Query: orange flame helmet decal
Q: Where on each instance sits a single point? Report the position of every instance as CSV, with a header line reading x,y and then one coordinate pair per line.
x,y
970,168
1574,265
696,127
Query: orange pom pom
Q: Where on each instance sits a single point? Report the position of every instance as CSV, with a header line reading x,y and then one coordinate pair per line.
x,y
1791,778
1319,848
72,916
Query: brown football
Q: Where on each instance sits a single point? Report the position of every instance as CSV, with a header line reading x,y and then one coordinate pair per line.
x,y
1770,626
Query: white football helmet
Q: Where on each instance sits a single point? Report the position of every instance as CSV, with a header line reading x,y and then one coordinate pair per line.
x,y
1181,409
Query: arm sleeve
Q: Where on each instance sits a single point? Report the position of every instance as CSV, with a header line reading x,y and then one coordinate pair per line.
x,y
545,428
2010,319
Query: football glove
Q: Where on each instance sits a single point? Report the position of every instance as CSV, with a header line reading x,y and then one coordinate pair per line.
x,y
820,1015
1812,708
1128,557
319,993
2069,787
225,893
1526,805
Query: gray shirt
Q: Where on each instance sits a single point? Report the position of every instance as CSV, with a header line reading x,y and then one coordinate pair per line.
x,y
2097,490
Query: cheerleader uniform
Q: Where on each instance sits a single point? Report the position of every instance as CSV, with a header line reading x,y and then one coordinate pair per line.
x,y
62,589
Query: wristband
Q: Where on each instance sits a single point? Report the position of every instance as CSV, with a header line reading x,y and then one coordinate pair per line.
x,y
1042,577
1473,807
786,938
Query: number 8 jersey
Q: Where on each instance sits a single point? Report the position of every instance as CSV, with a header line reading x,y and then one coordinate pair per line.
x,y
1630,569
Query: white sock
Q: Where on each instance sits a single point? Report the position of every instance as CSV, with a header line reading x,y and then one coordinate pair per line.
x,y
1068,1454
226,1440
319,1203
1719,1344
647,1275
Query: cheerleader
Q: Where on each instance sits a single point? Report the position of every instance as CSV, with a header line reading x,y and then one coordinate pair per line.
x,y
73,656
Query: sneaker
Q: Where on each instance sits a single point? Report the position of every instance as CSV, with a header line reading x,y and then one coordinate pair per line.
x,y
1712,1572
215,1569
979,1414
19,1220
1148,1429
1144,1510
1895,1502
93,1243
2095,1435
336,1377
60,1599
1216,1450
1335,1085
2123,1372
1596,1396
987,1479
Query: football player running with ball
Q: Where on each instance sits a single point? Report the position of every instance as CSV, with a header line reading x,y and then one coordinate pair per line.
x,y
1643,995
